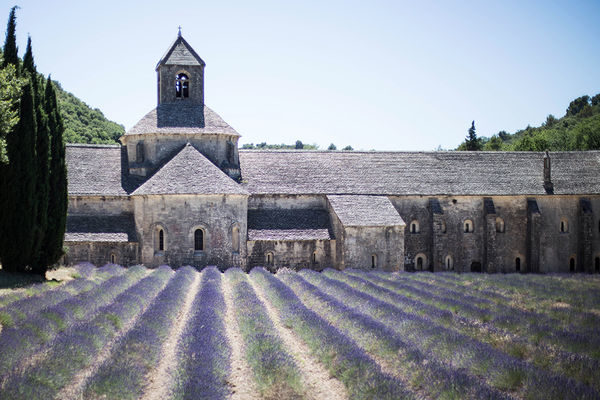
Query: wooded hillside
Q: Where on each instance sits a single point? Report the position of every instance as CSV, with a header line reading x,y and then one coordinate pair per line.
x,y
578,129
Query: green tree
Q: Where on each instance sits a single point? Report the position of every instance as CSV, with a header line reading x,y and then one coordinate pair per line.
x,y
332,147
52,249
596,100
42,154
494,144
10,92
577,105
472,142
348,148
18,202
10,51
299,145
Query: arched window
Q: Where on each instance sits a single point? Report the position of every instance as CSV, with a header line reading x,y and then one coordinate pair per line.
x,y
499,225
314,257
518,264
468,226
113,258
198,240
235,238
564,225
373,261
182,86
449,263
161,240
420,261
139,152
269,258
572,264
414,226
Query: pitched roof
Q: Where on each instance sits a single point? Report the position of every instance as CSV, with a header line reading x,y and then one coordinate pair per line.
x,y
95,170
278,224
417,173
100,228
180,53
365,210
189,172
182,119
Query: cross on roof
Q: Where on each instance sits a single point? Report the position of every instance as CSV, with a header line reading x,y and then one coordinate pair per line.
x,y
179,34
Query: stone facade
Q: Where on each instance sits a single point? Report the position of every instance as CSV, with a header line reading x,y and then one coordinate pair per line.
x,y
179,192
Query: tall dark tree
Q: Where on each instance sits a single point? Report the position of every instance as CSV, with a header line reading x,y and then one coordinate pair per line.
x,y
42,149
18,191
472,142
10,44
52,248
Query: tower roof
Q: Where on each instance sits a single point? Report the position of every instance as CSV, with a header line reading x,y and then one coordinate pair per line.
x,y
180,53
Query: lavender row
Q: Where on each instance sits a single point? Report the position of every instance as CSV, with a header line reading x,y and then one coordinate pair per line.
x,y
275,372
580,367
77,349
14,313
343,358
424,374
124,375
534,326
203,351
19,343
496,368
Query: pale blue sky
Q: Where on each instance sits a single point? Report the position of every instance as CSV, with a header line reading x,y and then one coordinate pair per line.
x,y
384,75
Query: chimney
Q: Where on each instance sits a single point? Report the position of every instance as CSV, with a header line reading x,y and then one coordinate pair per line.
x,y
548,186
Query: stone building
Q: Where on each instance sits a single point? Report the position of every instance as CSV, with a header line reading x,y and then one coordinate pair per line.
x,y
178,191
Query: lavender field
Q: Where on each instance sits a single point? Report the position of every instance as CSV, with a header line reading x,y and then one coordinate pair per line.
x,y
116,333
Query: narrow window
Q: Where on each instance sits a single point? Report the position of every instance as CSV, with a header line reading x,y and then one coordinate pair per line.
x,y
518,264
139,152
269,258
113,258
597,264
572,264
468,226
564,225
499,225
182,86
198,240
443,226
449,263
414,227
235,238
419,263
314,257
373,261
161,240
230,152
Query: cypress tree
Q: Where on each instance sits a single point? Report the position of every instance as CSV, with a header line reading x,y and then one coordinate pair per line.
x,y
10,44
42,148
19,202
52,249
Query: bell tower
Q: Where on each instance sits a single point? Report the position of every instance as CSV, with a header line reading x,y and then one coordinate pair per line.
x,y
180,74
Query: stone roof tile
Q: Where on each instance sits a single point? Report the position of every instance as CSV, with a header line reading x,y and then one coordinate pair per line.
x,y
100,228
182,119
95,170
189,172
296,224
417,173
365,210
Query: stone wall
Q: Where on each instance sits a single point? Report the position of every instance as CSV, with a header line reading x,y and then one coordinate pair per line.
x,y
160,147
99,205
179,216
122,253
295,254
362,243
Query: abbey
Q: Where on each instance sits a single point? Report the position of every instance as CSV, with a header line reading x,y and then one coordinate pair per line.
x,y
179,192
